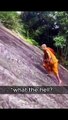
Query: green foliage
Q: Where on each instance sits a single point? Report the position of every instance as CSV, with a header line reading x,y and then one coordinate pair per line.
x,y
37,24
31,41
60,41
62,21
11,20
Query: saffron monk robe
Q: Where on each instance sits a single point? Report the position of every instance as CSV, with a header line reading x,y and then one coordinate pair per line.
x,y
50,62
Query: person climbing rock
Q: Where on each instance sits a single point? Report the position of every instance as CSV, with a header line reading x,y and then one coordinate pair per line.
x,y
50,62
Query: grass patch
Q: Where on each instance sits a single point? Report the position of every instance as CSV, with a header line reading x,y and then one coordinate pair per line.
x,y
31,41
28,40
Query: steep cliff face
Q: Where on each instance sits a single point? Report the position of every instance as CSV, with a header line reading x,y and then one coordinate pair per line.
x,y
21,65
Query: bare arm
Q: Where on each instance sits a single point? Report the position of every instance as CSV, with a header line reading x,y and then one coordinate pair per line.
x,y
49,55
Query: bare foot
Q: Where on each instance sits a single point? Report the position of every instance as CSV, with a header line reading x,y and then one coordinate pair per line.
x,y
60,82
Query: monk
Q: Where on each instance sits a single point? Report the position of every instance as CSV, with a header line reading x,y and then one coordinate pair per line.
x,y
50,62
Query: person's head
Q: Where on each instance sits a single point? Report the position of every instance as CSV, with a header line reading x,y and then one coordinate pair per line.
x,y
43,46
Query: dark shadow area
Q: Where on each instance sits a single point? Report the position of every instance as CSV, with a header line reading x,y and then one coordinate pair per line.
x,y
40,68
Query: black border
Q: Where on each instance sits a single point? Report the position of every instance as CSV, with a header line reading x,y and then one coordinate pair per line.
x,y
34,114
33,5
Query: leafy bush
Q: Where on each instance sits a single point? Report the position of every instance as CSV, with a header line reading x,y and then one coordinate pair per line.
x,y
11,20
60,41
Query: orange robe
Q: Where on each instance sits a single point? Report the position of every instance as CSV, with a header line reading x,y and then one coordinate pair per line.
x,y
51,66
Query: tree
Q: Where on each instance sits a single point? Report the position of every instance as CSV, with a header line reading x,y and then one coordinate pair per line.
x,y
62,39
11,20
39,26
